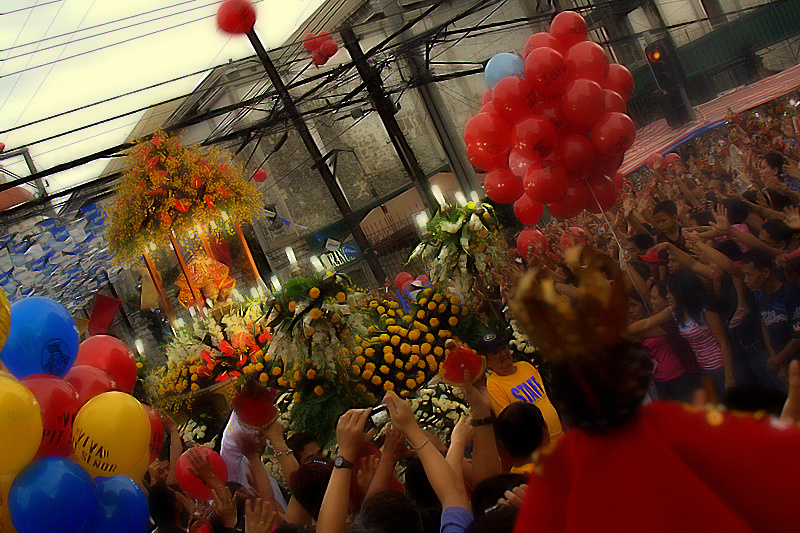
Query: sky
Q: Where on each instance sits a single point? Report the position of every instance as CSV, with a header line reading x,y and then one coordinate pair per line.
x,y
164,39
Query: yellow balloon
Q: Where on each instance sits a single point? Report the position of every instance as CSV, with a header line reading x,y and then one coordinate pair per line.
x,y
20,425
110,434
5,319
5,516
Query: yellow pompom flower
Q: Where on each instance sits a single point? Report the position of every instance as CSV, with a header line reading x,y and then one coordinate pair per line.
x,y
420,314
434,366
360,360
404,393
390,321
432,306
384,337
425,349
405,349
429,338
276,371
263,378
434,322
388,386
369,352
314,293
442,308
311,373
403,332
427,291
384,369
390,312
319,391
194,377
411,384
195,387
415,348
372,329
315,313
259,367
381,309
395,340
408,366
400,375
297,376
340,297
373,304
421,364
355,370
358,350
370,366
292,306
296,397
454,309
398,363
420,326
455,300
139,365
413,335
389,358
282,382
308,360
414,359
407,318
453,321
422,301
443,333
376,380
367,374
438,351
437,297
346,361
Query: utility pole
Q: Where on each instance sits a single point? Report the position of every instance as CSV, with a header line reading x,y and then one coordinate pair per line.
x,y
386,110
316,155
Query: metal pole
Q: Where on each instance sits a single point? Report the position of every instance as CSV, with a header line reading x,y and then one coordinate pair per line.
x,y
386,111
316,155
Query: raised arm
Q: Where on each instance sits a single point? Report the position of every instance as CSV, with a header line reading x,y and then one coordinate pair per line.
x,y
641,326
486,458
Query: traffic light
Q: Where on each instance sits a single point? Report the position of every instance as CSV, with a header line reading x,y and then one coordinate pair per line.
x,y
664,65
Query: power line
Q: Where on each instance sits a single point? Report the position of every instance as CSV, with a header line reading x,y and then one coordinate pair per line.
x,y
29,7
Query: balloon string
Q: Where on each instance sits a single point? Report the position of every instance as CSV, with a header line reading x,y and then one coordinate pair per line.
x,y
619,244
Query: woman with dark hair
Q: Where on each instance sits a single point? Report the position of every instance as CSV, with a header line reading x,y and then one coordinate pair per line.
x,y
699,324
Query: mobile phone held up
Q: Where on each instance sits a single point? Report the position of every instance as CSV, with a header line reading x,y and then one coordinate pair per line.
x,y
378,417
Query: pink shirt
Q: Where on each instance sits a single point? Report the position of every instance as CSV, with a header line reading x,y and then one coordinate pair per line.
x,y
667,365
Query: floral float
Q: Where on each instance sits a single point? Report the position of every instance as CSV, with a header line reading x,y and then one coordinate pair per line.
x,y
210,276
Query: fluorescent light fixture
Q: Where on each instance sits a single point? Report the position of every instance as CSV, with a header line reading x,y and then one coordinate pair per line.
x,y
474,197
192,312
224,215
290,255
461,199
179,322
139,346
238,295
316,263
276,283
253,292
421,219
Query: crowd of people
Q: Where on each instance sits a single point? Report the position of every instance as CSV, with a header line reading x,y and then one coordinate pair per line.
x,y
708,242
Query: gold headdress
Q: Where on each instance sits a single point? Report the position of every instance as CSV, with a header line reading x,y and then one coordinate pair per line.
x,y
563,328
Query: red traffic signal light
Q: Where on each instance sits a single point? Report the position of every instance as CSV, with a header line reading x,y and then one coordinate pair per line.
x,y
664,65
655,55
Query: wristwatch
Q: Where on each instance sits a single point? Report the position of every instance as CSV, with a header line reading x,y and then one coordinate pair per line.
x,y
341,462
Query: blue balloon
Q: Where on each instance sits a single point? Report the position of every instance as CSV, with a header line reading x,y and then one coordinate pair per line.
x,y
43,338
123,506
501,66
53,494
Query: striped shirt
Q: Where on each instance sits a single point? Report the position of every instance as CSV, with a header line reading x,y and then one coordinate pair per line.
x,y
703,342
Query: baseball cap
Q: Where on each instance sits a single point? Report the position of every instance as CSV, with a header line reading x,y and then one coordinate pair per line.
x,y
489,343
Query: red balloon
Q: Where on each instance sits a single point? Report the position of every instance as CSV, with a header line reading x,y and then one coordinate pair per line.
x,y
619,180
513,98
487,136
575,153
613,102
191,484
545,184
587,60
423,278
112,355
655,160
606,165
530,237
527,211
406,287
602,194
534,137
488,107
572,202
670,159
613,133
156,433
545,69
487,97
236,16
311,42
259,175
401,279
2,147
620,80
487,162
324,36
89,381
569,28
519,164
573,236
328,48
583,102
318,58
502,186
60,404
539,40
552,111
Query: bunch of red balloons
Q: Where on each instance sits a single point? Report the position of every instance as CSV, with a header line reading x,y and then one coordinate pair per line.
x,y
555,135
322,47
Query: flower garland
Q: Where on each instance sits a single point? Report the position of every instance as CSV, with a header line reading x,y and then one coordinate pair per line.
x,y
463,243
168,187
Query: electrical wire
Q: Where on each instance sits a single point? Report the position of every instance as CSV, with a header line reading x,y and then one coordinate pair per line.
x,y
29,7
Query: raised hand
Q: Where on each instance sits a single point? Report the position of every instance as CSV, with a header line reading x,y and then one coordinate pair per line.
x,y
791,215
224,506
722,223
259,516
